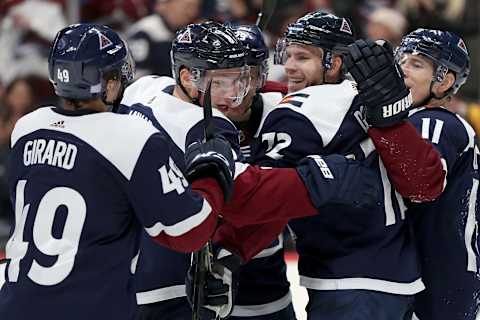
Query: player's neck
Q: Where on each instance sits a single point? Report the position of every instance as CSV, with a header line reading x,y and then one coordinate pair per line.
x,y
180,94
94,105
438,102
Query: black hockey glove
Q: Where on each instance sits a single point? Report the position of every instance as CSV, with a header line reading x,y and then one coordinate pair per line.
x,y
213,158
380,82
220,288
335,179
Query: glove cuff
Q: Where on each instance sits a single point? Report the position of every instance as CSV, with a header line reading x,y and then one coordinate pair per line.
x,y
391,112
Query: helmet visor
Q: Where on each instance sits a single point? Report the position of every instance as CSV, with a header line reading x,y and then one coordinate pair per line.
x,y
229,86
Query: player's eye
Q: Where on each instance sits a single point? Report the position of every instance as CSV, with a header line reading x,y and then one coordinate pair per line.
x,y
418,65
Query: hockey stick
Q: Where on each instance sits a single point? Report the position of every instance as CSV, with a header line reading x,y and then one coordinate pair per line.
x,y
203,258
264,16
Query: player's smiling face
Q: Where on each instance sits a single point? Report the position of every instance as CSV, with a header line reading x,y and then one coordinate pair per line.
x,y
303,66
418,72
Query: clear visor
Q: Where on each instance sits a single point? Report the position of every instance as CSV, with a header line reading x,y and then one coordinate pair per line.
x,y
229,86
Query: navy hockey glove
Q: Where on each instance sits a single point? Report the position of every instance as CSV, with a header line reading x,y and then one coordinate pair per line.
x,y
214,159
335,179
380,82
220,288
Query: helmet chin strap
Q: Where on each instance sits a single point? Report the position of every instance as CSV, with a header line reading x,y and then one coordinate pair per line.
x,y
184,90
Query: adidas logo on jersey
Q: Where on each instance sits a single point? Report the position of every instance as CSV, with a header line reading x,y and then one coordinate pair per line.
x,y
397,107
58,124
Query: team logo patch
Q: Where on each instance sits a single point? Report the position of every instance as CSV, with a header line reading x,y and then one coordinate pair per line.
x,y
185,37
462,46
345,26
104,41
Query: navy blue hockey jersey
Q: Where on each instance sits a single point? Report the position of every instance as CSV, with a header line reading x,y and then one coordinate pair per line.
x,y
182,123
343,247
83,185
447,229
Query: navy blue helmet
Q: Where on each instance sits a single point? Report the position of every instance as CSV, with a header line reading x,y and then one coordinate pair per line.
x,y
84,57
206,46
319,29
257,51
447,50
212,52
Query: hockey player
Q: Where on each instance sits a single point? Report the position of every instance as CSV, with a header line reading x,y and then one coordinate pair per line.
x,y
365,267
263,288
85,182
436,64
203,53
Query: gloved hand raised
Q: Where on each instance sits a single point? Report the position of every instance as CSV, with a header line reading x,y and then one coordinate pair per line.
x,y
335,179
220,286
214,159
380,82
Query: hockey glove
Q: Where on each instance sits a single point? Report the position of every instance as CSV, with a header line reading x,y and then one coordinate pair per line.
x,y
214,159
380,82
335,179
221,286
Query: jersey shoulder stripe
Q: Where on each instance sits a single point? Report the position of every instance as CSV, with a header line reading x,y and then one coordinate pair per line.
x,y
325,106
111,134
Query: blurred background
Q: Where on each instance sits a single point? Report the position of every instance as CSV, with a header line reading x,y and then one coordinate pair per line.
x,y
27,28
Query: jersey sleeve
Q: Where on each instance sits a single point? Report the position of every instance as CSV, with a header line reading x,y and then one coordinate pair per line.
x,y
265,195
412,163
286,137
170,211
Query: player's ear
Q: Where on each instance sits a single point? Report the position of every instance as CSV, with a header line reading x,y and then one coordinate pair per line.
x,y
113,90
186,81
447,83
